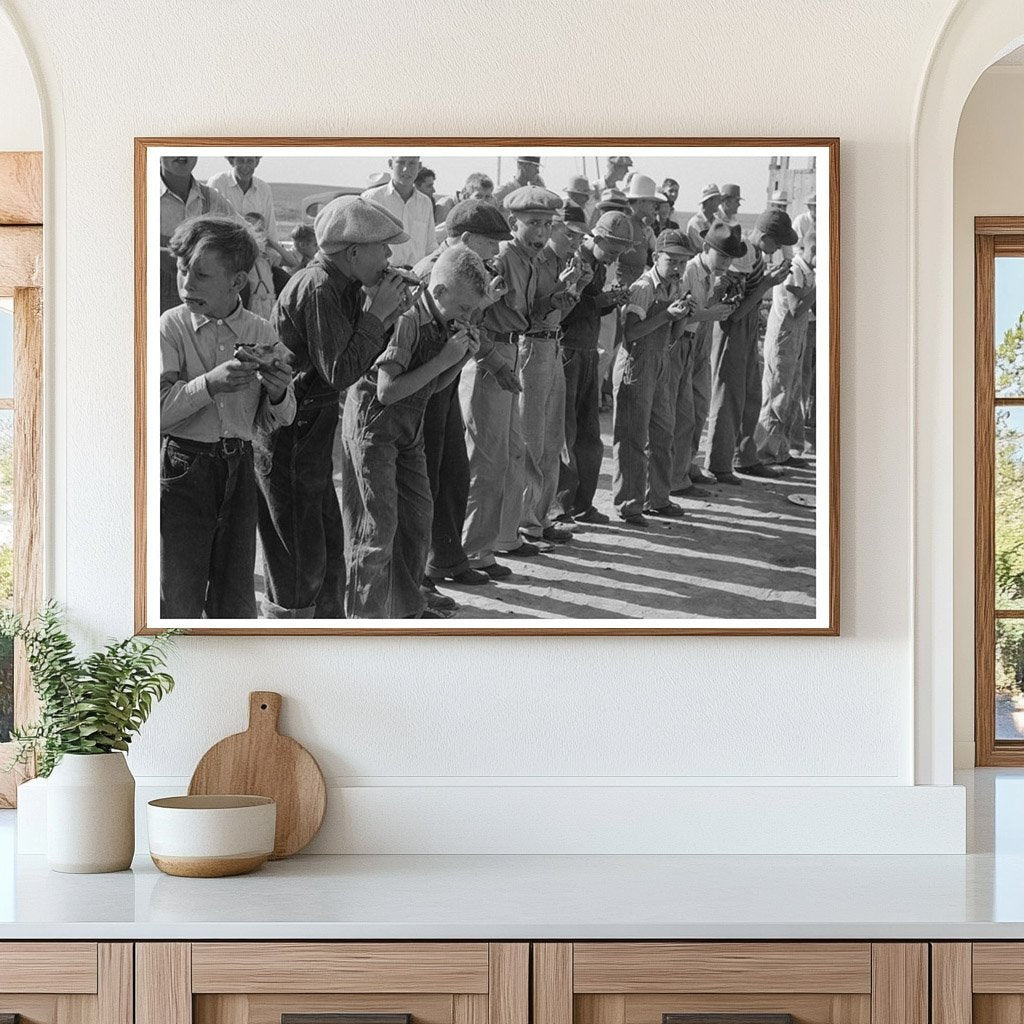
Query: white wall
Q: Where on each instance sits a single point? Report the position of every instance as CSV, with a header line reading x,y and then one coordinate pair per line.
x,y
469,711
988,181
21,127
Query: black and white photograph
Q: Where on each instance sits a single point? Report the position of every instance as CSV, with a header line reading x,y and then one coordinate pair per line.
x,y
450,386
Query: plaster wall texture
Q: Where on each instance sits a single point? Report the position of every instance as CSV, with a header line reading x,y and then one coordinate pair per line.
x,y
468,711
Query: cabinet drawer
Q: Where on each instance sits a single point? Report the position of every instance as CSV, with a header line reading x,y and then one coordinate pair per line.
x,y
66,982
730,983
332,983
65,967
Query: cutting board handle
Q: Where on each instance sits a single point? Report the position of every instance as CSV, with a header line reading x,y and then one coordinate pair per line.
x,y
264,710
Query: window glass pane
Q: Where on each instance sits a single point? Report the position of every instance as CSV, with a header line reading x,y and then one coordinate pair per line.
x,y
1009,532
1009,679
6,567
6,353
1009,338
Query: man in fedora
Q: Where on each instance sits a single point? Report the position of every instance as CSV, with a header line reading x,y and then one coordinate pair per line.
x,y
699,223
808,220
583,449
615,169
577,191
779,200
612,200
335,332
729,205
527,173
735,369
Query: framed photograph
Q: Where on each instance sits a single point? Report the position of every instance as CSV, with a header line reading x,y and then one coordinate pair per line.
x,y
487,386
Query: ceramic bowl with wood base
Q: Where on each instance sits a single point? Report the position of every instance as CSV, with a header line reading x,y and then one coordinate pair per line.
x,y
211,836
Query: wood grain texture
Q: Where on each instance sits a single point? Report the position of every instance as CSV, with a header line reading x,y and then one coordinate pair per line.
x,y
21,188
951,983
831,144
998,1009
76,1009
65,967
634,967
599,1009
28,483
468,1008
998,967
21,259
224,1009
509,983
806,1008
262,762
163,983
552,983
29,1009
115,997
269,1009
899,990
304,967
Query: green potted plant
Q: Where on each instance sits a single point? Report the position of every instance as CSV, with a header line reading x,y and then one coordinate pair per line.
x,y
89,709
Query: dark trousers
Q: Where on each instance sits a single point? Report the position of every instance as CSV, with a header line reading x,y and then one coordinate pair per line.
x,y
299,517
583,450
444,440
735,394
207,533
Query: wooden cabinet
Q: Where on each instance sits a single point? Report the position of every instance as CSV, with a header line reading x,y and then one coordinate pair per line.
x,y
978,983
307,982
750,982
66,982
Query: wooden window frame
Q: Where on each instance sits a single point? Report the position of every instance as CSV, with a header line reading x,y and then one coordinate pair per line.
x,y
21,278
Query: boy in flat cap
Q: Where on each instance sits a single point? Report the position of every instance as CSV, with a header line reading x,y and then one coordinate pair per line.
x,y
735,369
780,428
224,374
698,224
335,331
480,227
560,276
527,173
583,450
414,210
641,429
489,393
700,282
386,498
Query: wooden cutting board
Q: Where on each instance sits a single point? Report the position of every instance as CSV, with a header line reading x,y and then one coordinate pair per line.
x,y
262,762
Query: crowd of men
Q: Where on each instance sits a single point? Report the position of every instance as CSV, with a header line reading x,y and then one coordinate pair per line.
x,y
465,343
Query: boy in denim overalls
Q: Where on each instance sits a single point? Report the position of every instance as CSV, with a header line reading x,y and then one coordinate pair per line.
x,y
386,502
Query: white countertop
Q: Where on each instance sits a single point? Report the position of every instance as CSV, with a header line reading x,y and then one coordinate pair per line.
x,y
496,897
976,896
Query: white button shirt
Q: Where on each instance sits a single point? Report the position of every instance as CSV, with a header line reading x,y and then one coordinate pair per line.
x,y
417,217
258,199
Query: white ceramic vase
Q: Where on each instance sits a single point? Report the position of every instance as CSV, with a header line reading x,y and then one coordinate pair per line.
x,y
90,814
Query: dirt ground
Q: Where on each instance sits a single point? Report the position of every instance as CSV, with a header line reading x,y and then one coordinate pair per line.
x,y
739,552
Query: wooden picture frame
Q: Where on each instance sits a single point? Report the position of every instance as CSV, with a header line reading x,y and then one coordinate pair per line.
x,y
823,620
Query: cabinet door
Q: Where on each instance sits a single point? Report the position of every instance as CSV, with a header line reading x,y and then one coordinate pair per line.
x,y
981,982
730,983
332,983
66,982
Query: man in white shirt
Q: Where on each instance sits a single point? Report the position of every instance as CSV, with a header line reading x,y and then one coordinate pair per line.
x,y
401,197
246,193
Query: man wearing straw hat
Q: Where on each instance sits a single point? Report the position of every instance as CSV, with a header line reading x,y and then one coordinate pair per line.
x,y
699,223
643,198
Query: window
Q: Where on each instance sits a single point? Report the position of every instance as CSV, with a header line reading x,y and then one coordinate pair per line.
x,y
21,365
999,491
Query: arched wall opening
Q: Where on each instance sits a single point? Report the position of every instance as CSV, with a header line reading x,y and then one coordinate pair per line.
x,y
975,35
